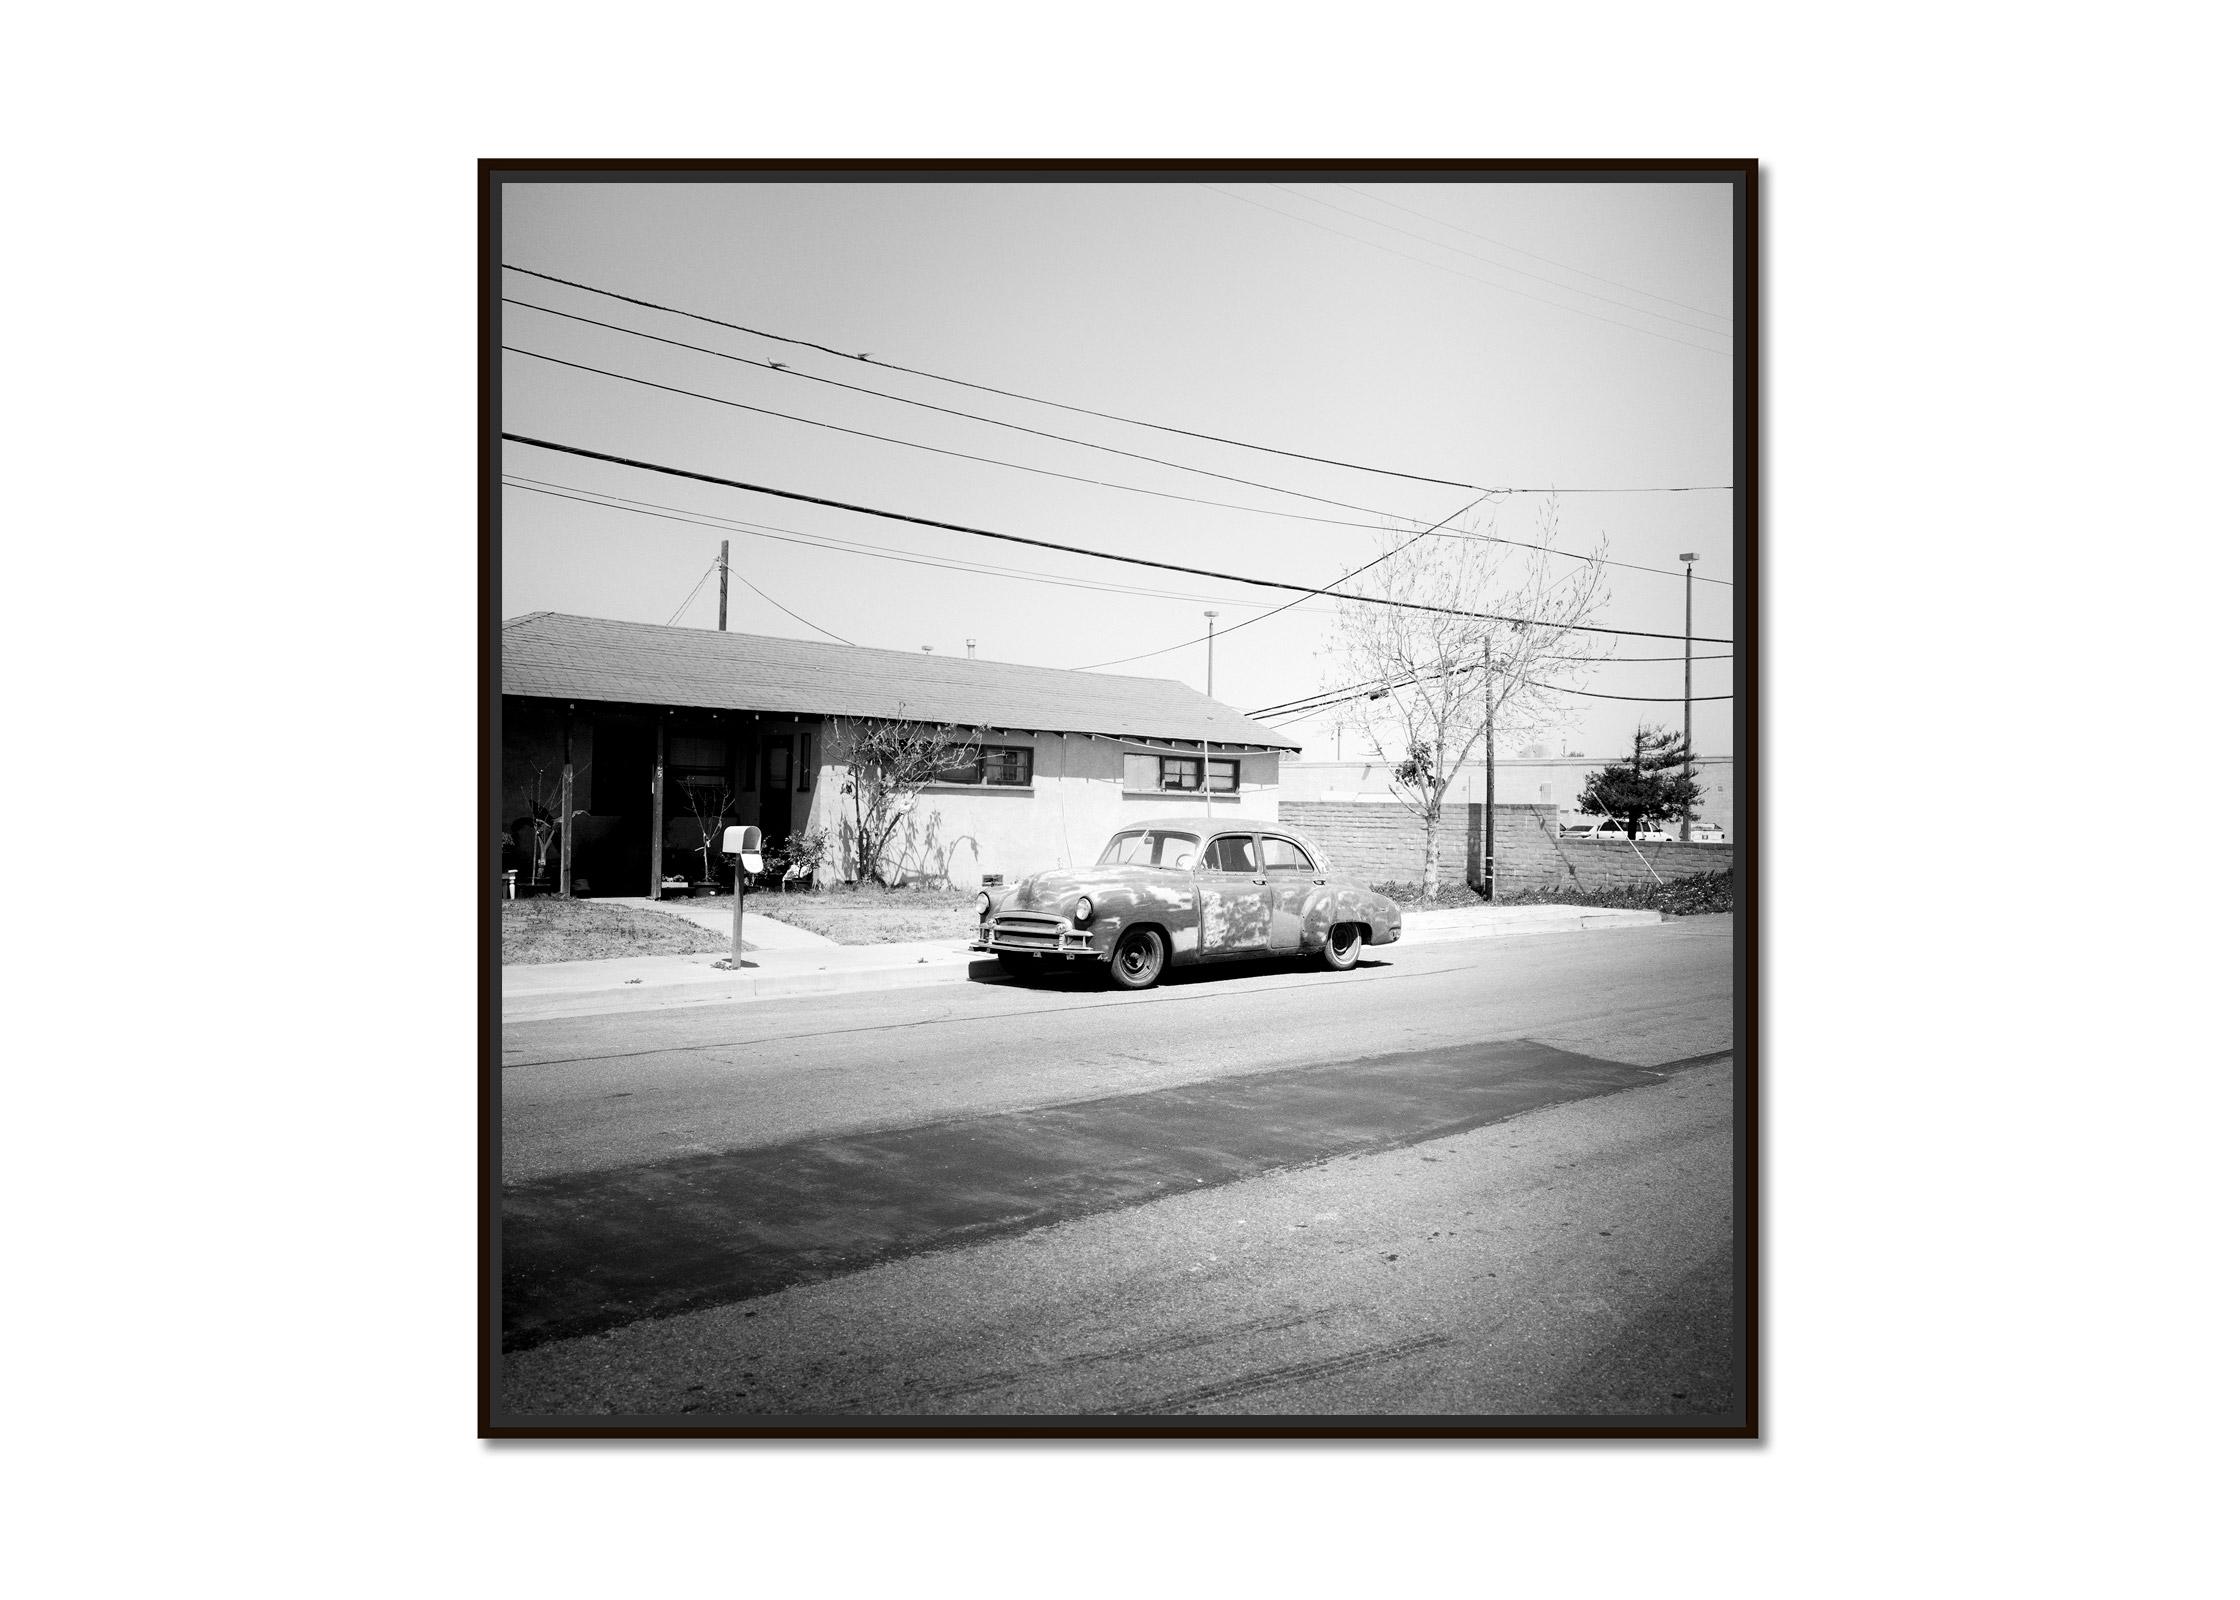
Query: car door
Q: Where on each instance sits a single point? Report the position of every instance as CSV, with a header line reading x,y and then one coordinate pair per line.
x,y
1234,900
1290,874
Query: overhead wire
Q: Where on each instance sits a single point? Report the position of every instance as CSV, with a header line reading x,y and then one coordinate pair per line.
x,y
1047,544
1088,411
1503,266
698,519
1472,277
1016,466
1535,255
965,455
1213,634
688,599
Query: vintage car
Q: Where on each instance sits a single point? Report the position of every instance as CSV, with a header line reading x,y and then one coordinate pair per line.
x,y
1181,893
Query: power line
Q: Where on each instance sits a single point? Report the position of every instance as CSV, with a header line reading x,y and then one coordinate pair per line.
x,y
951,411
797,616
1296,715
966,455
1047,472
1308,705
1086,411
1471,277
1535,255
1287,605
1045,544
1567,288
697,519
688,599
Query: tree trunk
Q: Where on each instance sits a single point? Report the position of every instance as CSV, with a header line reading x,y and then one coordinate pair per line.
x,y
1430,852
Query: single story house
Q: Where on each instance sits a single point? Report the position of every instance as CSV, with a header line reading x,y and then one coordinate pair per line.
x,y
648,729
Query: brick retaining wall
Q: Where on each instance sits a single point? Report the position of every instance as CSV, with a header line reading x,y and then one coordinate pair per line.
x,y
1381,842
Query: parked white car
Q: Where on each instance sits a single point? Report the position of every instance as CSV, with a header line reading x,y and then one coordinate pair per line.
x,y
1610,829
1707,833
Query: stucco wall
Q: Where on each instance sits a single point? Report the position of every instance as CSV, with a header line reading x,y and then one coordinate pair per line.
x,y
960,833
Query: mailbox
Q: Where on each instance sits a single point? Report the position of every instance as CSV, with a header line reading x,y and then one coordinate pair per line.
x,y
742,841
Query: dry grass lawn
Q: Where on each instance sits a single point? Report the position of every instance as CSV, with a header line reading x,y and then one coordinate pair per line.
x,y
544,929
871,915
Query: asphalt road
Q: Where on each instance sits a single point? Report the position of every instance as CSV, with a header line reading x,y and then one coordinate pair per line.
x,y
1489,1178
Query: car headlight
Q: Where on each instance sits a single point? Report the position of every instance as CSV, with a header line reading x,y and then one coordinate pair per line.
x,y
984,904
1083,909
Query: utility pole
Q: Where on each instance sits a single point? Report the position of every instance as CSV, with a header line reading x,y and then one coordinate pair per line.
x,y
1210,615
723,589
1688,693
1486,825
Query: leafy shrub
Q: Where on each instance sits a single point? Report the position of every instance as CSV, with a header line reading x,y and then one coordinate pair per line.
x,y
1697,894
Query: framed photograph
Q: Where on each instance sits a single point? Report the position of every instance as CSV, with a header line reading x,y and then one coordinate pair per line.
x,y
1119,799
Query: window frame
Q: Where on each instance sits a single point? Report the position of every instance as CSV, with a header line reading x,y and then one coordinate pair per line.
x,y
1252,843
979,766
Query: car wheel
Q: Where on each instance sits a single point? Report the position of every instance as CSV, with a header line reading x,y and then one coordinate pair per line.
x,y
1139,958
1343,948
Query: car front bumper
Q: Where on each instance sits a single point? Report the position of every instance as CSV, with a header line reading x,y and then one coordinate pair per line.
x,y
1025,934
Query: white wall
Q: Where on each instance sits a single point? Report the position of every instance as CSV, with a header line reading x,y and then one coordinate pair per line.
x,y
1075,803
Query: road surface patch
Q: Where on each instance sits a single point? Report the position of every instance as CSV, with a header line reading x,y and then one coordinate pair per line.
x,y
586,1252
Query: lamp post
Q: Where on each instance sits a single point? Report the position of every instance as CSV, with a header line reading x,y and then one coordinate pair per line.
x,y
1210,615
1687,693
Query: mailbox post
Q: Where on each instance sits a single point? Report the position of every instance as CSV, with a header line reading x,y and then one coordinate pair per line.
x,y
744,846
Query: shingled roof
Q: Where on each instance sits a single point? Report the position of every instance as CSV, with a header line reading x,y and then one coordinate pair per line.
x,y
559,657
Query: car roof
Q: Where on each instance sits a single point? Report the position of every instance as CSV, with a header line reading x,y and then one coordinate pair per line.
x,y
1200,828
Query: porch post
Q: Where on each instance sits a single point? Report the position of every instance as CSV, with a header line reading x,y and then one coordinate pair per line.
x,y
660,788
568,802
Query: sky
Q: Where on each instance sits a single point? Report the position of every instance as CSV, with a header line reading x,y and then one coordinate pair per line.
x,y
1503,335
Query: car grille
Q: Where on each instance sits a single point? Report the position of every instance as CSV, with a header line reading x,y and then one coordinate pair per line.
x,y
1039,932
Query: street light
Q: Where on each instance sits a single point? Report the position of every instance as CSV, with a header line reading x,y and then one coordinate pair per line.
x,y
1687,694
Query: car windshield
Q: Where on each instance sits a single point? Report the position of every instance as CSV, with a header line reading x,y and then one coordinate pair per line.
x,y
1151,847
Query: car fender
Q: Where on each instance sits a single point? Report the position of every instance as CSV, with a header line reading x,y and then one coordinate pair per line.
x,y
1328,907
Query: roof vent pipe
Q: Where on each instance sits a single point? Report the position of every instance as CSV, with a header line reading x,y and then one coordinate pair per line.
x,y
970,647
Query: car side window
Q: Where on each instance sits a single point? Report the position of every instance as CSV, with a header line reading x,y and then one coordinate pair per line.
x,y
1281,855
1232,852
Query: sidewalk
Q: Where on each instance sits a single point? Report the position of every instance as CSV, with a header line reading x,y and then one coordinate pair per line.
x,y
646,983
812,965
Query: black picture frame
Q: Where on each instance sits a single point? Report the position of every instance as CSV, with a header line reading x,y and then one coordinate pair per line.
x,y
1743,1422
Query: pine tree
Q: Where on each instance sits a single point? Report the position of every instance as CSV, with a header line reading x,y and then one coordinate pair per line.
x,y
1650,786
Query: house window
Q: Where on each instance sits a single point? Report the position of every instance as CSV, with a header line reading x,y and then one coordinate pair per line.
x,y
1178,774
801,770
998,766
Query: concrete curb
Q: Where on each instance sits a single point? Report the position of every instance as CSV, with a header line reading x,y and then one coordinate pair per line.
x,y
654,983
1495,923
617,994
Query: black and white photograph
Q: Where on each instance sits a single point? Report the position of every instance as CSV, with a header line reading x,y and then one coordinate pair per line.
x,y
1119,800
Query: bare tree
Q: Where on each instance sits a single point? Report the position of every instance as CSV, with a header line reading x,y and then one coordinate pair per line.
x,y
1501,615
888,760
711,810
541,820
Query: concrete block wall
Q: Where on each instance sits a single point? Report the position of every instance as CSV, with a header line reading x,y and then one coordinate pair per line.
x,y
1384,844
